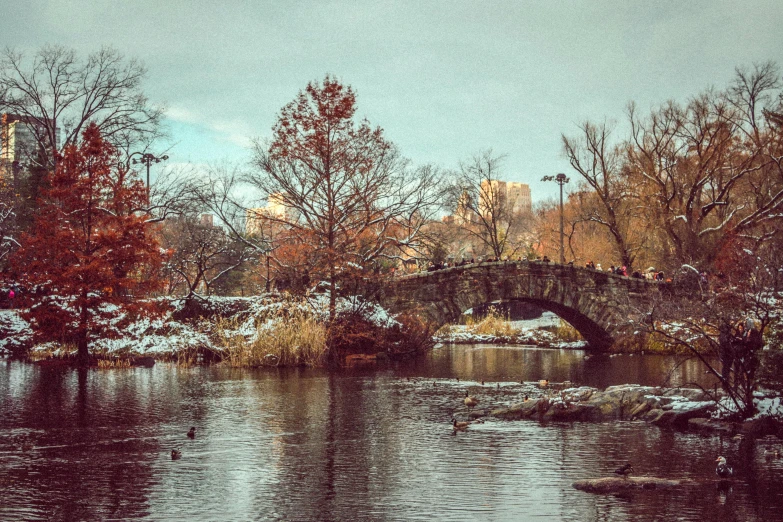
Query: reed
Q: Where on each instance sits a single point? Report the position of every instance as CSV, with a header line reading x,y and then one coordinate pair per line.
x,y
119,362
299,340
495,324
53,351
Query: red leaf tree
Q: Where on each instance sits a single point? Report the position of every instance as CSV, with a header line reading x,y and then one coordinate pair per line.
x,y
350,199
90,256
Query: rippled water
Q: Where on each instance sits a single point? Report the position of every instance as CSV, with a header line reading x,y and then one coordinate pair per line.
x,y
361,444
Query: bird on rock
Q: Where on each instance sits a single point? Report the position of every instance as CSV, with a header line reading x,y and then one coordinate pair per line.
x,y
192,432
469,401
175,454
624,470
723,470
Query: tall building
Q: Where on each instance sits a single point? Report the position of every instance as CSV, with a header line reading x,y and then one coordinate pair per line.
x,y
256,217
518,196
19,143
511,196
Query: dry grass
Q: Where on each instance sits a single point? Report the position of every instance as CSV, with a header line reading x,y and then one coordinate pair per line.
x,y
122,362
51,352
295,341
493,324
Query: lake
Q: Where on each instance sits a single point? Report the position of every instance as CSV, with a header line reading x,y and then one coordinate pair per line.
x,y
367,443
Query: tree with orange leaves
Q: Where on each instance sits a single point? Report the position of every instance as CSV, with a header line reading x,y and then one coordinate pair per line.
x,y
89,257
350,198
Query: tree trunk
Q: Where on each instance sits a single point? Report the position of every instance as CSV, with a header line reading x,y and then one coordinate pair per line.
x,y
82,352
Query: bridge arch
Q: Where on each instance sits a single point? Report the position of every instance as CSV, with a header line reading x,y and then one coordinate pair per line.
x,y
599,305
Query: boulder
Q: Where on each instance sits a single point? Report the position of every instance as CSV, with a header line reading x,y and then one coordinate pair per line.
x,y
518,411
678,414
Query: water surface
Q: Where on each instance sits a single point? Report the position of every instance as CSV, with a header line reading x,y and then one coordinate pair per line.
x,y
361,444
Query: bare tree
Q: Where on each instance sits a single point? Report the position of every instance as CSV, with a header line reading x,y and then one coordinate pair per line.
x,y
478,197
8,229
723,322
614,206
57,94
712,167
202,253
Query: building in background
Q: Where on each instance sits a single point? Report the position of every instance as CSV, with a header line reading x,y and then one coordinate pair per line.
x,y
259,220
512,197
20,144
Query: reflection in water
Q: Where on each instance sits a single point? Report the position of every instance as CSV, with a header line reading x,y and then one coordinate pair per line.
x,y
360,444
492,362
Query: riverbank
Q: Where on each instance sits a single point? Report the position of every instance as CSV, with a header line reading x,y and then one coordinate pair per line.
x,y
239,330
249,331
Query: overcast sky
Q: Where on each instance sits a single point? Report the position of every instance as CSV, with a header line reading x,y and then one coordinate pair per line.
x,y
444,79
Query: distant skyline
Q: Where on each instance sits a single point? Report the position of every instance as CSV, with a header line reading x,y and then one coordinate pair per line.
x,y
444,79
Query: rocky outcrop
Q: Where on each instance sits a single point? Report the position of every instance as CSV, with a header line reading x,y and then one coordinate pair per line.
x,y
680,408
618,485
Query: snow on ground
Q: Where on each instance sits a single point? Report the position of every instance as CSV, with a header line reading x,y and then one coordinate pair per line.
x,y
767,405
14,331
530,331
166,336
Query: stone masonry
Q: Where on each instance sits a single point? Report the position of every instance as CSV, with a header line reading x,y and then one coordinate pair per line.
x,y
600,305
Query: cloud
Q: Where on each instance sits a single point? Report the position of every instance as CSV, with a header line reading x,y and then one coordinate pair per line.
x,y
234,131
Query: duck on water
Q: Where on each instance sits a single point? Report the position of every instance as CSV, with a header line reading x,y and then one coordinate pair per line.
x,y
723,470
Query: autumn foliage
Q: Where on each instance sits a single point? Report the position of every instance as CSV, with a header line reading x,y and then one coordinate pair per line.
x,y
91,254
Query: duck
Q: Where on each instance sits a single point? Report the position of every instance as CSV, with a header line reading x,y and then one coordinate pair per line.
x,y
625,470
192,432
459,426
175,454
469,401
723,470
770,454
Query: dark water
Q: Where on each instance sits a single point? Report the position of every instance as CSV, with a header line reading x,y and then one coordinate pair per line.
x,y
356,445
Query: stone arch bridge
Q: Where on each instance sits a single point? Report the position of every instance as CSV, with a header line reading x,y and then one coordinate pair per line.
x,y
600,305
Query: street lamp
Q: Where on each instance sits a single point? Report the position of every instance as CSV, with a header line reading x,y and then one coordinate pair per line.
x,y
561,179
147,159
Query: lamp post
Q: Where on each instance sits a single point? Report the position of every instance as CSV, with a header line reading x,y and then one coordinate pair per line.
x,y
561,179
147,159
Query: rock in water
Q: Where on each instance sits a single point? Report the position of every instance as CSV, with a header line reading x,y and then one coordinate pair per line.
x,y
611,485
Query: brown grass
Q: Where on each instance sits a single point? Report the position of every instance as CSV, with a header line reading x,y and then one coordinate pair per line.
x,y
64,351
298,340
120,362
494,323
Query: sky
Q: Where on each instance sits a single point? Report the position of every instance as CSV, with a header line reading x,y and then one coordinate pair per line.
x,y
445,80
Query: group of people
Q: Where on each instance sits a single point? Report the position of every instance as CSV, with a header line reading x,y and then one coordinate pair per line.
x,y
650,275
